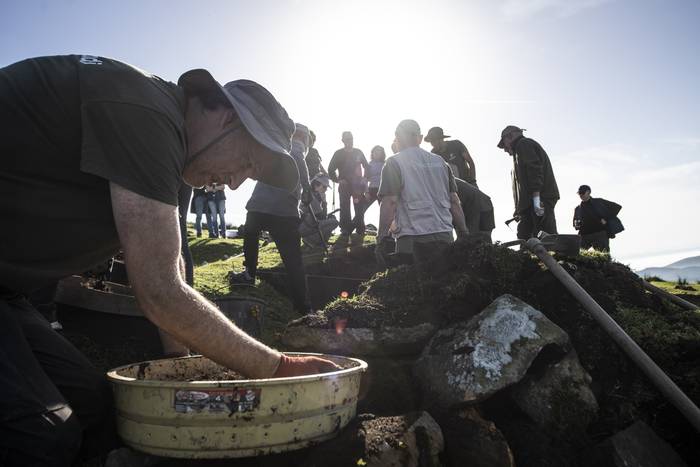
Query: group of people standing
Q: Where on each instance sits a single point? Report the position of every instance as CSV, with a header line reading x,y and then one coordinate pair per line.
x,y
210,200
424,195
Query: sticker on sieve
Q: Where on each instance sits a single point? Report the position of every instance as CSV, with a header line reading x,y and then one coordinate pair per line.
x,y
237,400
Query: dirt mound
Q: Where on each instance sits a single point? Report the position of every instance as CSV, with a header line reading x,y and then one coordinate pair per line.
x,y
471,274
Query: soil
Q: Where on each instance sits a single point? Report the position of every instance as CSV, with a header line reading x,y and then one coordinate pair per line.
x,y
471,274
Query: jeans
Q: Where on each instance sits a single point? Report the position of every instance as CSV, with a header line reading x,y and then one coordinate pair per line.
x,y
218,208
54,405
285,233
199,208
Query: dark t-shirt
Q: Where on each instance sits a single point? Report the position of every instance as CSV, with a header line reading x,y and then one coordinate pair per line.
x,y
69,126
348,164
452,154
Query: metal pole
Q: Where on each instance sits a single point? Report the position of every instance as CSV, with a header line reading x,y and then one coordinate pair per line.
x,y
662,382
669,296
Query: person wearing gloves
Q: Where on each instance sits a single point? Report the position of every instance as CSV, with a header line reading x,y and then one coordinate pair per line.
x,y
277,211
417,193
115,143
535,190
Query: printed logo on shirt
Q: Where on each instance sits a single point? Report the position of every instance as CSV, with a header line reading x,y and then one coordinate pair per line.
x,y
90,60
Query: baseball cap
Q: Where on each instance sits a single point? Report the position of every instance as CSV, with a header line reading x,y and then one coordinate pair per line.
x,y
264,118
582,189
408,127
322,179
506,131
435,133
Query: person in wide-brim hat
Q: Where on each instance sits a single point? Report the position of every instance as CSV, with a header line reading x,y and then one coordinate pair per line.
x,y
95,151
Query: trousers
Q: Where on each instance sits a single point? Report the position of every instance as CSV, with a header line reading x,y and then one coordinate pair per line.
x,y
285,233
54,405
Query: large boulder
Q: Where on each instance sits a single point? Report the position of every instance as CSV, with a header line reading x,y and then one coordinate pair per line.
x,y
470,361
638,445
409,440
360,341
472,441
558,398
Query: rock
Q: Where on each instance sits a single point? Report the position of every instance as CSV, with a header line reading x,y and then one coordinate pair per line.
x,y
341,340
409,440
558,398
470,361
636,446
472,441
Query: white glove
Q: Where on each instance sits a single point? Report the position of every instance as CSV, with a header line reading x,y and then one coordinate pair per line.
x,y
537,205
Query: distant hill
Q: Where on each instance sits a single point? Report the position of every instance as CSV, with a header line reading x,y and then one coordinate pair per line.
x,y
687,268
693,261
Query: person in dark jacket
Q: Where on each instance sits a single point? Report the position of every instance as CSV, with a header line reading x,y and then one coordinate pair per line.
x,y
591,219
535,190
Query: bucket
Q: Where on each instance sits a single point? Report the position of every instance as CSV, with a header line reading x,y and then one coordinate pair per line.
x,y
245,312
160,415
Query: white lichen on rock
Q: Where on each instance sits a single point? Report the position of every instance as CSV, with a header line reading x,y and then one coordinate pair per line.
x,y
471,360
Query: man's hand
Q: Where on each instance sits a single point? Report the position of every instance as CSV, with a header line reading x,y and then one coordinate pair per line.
x,y
152,263
537,206
299,366
462,234
603,221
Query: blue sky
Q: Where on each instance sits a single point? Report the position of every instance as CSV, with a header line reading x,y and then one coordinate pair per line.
x,y
609,88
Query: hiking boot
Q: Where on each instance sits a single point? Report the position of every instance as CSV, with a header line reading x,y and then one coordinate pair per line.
x,y
241,278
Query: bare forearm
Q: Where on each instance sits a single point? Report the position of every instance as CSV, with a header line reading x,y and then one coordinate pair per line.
x,y
192,320
457,214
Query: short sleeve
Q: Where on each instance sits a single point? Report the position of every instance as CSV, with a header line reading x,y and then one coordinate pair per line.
x,y
391,181
136,147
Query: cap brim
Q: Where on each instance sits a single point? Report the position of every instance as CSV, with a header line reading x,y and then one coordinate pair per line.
x,y
282,173
500,143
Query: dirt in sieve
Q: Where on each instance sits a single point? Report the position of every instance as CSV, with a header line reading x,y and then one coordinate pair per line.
x,y
186,370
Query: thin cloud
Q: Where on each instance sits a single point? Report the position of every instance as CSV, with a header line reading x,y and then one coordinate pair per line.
x,y
687,144
500,101
523,9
